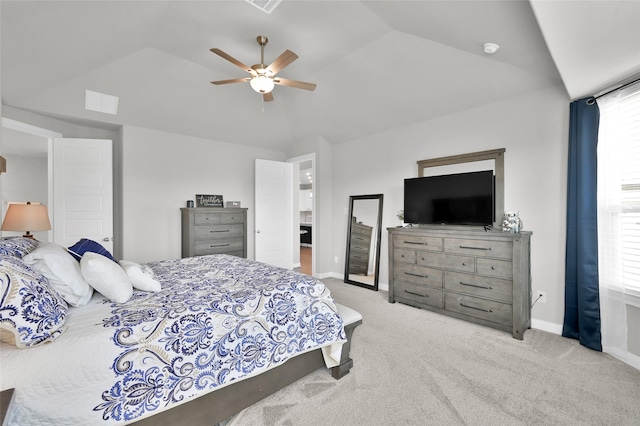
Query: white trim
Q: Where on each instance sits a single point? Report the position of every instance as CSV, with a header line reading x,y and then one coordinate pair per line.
x,y
327,275
28,128
550,327
43,133
626,357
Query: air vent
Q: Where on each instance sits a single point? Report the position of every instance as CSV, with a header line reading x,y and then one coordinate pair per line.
x,y
267,6
95,101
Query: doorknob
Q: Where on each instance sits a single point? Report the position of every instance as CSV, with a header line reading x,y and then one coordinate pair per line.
x,y
106,239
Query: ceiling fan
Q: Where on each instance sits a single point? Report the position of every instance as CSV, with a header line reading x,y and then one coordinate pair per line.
x,y
263,77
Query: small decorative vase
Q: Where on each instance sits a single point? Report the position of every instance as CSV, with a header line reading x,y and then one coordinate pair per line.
x,y
511,222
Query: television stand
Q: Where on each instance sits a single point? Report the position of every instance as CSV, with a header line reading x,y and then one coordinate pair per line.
x,y
464,272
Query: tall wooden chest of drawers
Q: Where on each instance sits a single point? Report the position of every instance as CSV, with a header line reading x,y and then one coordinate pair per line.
x,y
359,248
214,230
468,273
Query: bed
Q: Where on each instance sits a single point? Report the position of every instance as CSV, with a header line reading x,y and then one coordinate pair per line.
x,y
208,336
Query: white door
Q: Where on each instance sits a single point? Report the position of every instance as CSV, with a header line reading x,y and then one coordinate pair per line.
x,y
82,191
274,213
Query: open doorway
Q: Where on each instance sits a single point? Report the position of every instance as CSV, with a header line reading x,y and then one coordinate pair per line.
x,y
304,217
27,150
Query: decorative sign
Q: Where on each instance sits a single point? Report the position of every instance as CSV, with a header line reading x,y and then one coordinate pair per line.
x,y
233,204
203,200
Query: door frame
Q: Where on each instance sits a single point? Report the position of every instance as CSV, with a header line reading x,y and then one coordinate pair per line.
x,y
314,234
50,135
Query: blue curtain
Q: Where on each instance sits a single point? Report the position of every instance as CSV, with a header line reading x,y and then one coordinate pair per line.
x,y
582,300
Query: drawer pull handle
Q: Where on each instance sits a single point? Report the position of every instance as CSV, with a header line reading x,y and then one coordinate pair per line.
x,y
219,245
416,294
416,242
477,309
358,257
476,286
358,238
493,268
476,248
226,230
413,274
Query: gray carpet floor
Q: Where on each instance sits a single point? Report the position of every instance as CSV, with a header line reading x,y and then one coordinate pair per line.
x,y
415,367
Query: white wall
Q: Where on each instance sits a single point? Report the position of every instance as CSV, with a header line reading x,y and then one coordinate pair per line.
x,y
534,130
161,171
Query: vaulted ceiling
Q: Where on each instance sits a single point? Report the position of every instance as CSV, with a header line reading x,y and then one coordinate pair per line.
x,y
378,65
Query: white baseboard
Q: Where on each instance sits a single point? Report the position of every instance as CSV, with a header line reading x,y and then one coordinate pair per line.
x,y
633,360
328,275
296,265
550,327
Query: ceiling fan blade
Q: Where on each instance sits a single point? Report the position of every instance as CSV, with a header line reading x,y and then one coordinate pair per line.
x,y
282,61
267,97
294,83
235,80
231,59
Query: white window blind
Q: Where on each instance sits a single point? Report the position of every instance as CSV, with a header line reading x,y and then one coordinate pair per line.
x,y
619,188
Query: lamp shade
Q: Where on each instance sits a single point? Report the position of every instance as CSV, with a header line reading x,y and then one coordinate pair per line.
x,y
26,217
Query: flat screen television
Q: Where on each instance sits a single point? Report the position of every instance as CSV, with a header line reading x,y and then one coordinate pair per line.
x,y
456,199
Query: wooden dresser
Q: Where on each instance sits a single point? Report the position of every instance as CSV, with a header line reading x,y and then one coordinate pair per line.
x,y
360,246
468,273
214,230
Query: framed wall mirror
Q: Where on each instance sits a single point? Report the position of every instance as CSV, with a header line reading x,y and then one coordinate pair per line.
x,y
362,261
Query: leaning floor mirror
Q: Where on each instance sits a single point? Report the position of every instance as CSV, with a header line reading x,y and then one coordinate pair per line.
x,y
362,261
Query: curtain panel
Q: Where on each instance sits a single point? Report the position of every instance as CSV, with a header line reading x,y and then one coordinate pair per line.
x,y
582,302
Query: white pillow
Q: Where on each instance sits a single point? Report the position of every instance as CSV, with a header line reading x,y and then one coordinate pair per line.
x,y
106,276
63,272
142,277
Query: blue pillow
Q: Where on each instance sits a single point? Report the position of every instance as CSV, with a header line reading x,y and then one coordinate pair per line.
x,y
85,245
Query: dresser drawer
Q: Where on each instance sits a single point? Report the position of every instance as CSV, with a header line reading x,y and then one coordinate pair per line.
x,y
359,244
446,261
418,275
363,230
476,285
229,217
218,246
484,248
360,259
218,231
495,268
420,242
487,310
404,255
417,295
211,218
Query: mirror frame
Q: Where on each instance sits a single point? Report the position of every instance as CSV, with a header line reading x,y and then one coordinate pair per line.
x,y
377,237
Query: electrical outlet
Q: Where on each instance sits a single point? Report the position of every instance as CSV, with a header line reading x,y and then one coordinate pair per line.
x,y
335,259
541,296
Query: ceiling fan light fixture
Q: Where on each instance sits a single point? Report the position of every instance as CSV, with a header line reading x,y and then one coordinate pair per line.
x,y
262,84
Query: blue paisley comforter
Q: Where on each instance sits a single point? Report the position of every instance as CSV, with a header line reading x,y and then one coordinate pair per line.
x,y
218,319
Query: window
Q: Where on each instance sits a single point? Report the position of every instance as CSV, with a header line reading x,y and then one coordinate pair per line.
x,y
619,189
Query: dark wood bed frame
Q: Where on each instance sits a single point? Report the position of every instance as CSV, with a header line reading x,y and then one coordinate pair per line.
x,y
221,404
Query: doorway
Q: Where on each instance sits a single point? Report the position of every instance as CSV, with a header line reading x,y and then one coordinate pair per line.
x,y
304,217
29,173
